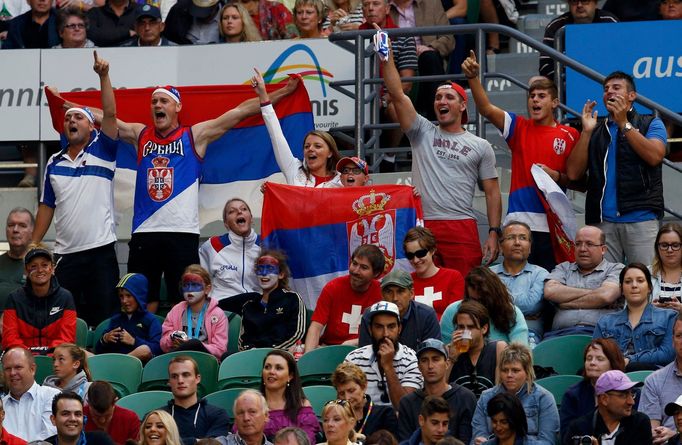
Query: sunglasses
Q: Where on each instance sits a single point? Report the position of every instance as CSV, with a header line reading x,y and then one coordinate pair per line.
x,y
421,253
340,402
384,393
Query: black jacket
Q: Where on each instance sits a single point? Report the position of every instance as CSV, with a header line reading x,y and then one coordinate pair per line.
x,y
108,29
634,429
199,421
15,32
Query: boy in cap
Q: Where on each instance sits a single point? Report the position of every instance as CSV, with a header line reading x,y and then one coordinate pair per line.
x,y
674,410
354,171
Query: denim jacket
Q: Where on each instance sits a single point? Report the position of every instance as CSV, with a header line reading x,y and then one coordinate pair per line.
x,y
651,338
541,413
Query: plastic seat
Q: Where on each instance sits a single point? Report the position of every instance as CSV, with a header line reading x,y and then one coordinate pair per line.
x,y
235,326
242,369
564,354
638,376
124,372
317,366
558,384
82,333
318,396
225,400
155,372
143,402
43,368
99,332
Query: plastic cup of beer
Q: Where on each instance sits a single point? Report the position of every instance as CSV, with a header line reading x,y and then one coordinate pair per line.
x,y
465,342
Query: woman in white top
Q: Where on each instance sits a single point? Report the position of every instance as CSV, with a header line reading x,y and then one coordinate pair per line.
x,y
666,268
320,155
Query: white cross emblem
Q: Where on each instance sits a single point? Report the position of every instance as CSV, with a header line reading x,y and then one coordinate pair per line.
x,y
429,296
353,319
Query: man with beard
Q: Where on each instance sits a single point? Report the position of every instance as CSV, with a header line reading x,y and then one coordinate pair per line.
x,y
391,368
67,416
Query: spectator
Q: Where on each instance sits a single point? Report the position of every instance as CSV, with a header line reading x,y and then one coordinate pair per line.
x,y
585,290
148,28
72,25
434,286
319,149
633,10
103,414
71,372
351,385
193,22
29,320
643,332
666,267
5,436
287,405
507,322
624,199
308,17
236,25
614,421
508,420
432,356
579,13
202,324
18,230
670,9
390,367
354,171
67,417
673,410
524,281
229,258
434,419
417,320
529,141
344,15
113,23
274,317
80,200
338,421
27,404
291,436
431,49
446,184
517,377
343,300
133,330
601,355
195,418
382,437
250,416
159,428
36,28
475,368
272,18
663,387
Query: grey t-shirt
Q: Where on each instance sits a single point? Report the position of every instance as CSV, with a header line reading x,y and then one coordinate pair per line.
x,y
446,167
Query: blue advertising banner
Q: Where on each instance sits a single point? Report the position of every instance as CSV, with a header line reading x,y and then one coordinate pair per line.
x,y
651,52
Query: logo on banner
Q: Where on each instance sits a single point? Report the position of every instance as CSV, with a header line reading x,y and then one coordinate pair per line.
x,y
160,179
312,71
375,225
559,146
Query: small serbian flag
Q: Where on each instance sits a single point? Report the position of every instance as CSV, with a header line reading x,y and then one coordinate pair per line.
x,y
235,165
319,228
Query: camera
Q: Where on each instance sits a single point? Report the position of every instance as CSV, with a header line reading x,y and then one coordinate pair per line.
x,y
582,440
665,299
178,335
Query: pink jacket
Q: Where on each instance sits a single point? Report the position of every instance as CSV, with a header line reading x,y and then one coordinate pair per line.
x,y
215,326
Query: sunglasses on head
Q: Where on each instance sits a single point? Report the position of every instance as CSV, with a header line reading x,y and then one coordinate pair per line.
x,y
421,253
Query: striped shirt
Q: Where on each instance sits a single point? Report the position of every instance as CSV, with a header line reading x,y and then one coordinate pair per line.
x,y
404,363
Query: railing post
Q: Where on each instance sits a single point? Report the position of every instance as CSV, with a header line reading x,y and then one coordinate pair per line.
x,y
42,161
483,62
359,95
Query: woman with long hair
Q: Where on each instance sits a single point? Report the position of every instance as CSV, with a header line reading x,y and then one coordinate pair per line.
x,y
274,317
508,420
643,331
281,386
320,154
506,320
71,372
666,268
601,355
159,428
236,25
338,423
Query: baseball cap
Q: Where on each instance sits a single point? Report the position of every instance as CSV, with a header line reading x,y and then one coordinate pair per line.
x,y
432,344
463,94
672,407
37,252
384,307
398,278
148,11
362,165
614,381
202,9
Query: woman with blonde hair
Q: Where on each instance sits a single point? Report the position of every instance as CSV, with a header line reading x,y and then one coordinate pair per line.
x,y
159,428
236,25
308,17
338,423
71,372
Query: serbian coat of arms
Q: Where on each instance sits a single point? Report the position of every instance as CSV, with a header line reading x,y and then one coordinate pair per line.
x,y
375,225
160,179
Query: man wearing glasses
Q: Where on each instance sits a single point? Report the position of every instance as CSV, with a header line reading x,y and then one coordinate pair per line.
x,y
614,422
586,289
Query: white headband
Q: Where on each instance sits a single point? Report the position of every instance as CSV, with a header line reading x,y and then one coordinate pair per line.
x,y
168,93
84,111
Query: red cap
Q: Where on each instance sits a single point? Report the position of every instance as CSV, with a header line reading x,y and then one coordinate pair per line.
x,y
463,94
362,165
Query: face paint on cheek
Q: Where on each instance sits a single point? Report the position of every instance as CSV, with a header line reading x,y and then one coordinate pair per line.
x,y
268,281
192,291
192,297
266,269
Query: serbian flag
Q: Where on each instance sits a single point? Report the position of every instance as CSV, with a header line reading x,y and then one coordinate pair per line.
x,y
319,228
234,166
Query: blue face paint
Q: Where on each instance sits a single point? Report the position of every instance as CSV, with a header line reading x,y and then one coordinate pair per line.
x,y
192,286
263,270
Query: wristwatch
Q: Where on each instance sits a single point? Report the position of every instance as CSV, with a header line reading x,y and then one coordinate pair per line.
x,y
627,127
497,230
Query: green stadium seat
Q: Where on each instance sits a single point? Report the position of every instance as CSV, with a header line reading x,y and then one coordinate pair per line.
x,y
564,354
318,396
225,399
235,326
242,369
82,332
638,376
155,372
124,372
43,368
143,402
558,384
317,366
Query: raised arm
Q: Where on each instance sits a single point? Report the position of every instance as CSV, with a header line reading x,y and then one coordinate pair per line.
x,y
576,164
471,69
109,125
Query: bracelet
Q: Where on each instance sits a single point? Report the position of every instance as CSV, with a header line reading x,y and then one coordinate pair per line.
x,y
265,104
